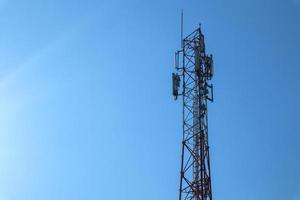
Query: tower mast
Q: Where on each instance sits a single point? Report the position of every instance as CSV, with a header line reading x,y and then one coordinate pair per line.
x,y
195,68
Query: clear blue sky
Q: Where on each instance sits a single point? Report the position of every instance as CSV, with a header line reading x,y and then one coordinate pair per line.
x,y
86,110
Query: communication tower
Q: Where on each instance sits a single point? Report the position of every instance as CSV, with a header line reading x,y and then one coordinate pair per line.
x,y
195,68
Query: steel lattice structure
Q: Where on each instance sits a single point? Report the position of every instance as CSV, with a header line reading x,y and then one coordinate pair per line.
x,y
195,69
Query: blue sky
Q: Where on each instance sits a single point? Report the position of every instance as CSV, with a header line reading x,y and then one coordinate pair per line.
x,y
86,105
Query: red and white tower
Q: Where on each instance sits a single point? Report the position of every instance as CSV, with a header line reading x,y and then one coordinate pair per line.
x,y
195,68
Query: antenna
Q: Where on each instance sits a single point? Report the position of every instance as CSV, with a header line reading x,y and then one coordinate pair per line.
x,y
181,28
